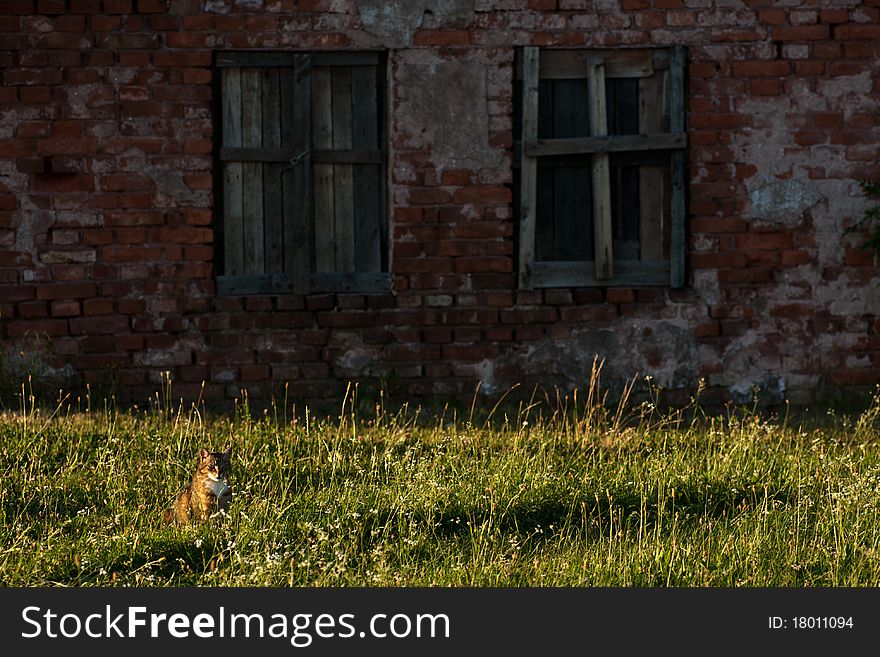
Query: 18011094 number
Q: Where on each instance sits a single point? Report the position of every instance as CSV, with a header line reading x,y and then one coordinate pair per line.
x,y
821,622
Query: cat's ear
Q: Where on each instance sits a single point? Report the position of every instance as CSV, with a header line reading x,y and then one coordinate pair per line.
x,y
228,452
203,454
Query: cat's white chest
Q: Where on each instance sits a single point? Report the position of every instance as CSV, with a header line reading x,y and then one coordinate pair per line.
x,y
219,487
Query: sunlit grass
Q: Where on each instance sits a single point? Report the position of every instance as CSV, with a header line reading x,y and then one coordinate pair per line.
x,y
572,492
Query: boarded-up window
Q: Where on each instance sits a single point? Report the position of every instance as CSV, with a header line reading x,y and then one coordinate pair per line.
x,y
303,158
601,167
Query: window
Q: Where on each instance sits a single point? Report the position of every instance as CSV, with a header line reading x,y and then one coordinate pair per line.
x,y
303,162
601,139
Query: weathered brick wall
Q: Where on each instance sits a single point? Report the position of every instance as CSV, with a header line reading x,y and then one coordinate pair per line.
x,y
106,209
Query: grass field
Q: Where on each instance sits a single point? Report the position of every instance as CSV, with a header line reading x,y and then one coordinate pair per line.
x,y
528,496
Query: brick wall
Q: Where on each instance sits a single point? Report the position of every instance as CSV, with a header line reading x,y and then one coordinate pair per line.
x,y
107,221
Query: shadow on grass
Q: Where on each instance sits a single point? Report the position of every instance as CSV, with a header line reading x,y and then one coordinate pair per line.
x,y
177,559
66,502
591,512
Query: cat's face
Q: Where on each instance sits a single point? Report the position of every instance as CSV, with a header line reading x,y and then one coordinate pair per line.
x,y
215,465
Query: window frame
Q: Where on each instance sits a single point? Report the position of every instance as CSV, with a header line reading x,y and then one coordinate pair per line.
x,y
302,157
602,270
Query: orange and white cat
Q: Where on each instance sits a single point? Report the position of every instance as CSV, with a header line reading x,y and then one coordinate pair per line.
x,y
208,493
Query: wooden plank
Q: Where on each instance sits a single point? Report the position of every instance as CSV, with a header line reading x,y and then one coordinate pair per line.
x,y
604,144
263,59
572,214
545,220
252,172
367,183
677,217
254,59
364,58
285,155
528,168
652,188
273,209
363,282
571,64
297,104
635,158
601,173
622,106
625,211
627,273
233,253
343,174
323,200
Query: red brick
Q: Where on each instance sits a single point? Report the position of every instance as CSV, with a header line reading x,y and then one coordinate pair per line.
x,y
861,377
197,76
31,310
718,260
85,6
427,196
795,258
50,7
30,165
132,306
792,310
152,6
483,264
761,87
118,6
834,15
855,32
483,195
717,120
801,33
620,295
707,329
66,291
442,38
98,325
97,307
48,327
771,16
745,276
764,241
32,76
456,177
15,293
761,68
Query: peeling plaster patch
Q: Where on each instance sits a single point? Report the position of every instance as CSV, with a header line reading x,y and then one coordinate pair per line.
x,y
670,348
749,373
571,361
396,21
782,201
673,351
769,389
485,369
445,110
172,191
848,92
845,299
31,223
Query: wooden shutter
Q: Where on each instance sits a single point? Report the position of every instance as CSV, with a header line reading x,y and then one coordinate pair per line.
x,y
303,159
635,144
528,168
348,157
678,239
266,171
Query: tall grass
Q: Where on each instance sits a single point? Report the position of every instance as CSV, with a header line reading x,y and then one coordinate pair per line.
x,y
563,491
